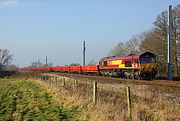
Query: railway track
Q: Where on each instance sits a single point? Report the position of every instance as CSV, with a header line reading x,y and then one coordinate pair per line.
x,y
165,83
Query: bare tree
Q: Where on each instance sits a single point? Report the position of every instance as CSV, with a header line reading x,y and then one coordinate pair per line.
x,y
119,49
92,62
131,46
74,64
48,65
12,68
5,58
39,64
34,64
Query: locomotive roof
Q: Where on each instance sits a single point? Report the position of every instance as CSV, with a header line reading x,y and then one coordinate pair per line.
x,y
127,56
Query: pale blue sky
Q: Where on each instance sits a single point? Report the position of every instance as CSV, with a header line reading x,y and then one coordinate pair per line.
x,y
33,29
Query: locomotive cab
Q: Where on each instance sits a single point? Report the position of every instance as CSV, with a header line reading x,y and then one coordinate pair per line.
x,y
148,65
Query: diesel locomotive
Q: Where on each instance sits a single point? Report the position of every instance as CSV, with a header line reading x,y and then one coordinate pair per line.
x,y
139,65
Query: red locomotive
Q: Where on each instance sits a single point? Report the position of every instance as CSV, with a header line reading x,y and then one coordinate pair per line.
x,y
140,65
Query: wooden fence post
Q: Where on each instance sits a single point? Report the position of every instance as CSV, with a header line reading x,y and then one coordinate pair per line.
x,y
55,80
86,82
49,80
52,79
46,78
94,91
128,102
63,82
37,77
75,84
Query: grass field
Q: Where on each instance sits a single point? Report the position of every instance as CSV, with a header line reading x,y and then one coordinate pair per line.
x,y
40,100
27,100
148,103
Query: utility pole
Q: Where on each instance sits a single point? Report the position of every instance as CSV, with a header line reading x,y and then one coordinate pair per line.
x,y
46,61
170,23
38,63
84,53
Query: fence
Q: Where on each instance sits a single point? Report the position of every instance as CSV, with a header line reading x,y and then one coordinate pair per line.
x,y
63,81
133,98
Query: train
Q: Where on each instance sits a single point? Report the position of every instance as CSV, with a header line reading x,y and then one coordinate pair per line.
x,y
141,65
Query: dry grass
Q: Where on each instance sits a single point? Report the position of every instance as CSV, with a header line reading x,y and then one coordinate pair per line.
x,y
4,83
111,105
155,108
148,103
81,102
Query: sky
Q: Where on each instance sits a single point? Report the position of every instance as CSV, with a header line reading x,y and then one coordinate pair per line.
x,y
34,29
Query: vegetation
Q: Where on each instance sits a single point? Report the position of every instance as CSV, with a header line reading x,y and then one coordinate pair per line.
x,y
5,58
40,64
148,103
92,62
26,100
130,46
155,40
4,83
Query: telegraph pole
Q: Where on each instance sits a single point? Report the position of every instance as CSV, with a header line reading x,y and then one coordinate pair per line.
x,y
38,63
170,23
46,61
84,53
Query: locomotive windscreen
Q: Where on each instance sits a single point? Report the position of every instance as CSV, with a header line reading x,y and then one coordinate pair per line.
x,y
147,58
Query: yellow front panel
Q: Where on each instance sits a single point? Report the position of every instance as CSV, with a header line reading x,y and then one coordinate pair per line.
x,y
116,62
148,66
119,62
121,66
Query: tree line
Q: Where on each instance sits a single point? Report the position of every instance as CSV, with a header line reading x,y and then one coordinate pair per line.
x,y
155,40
